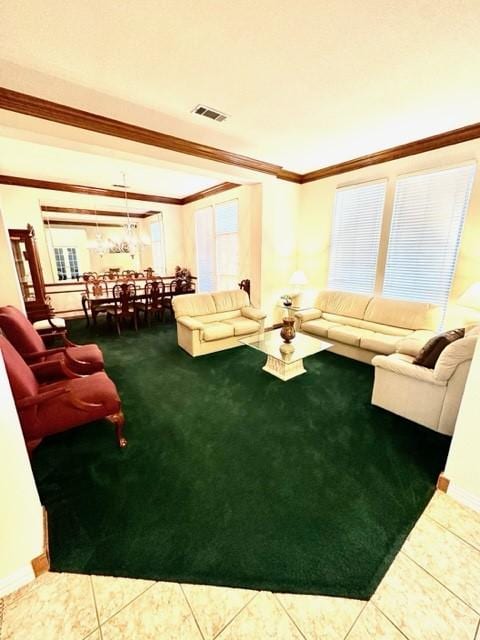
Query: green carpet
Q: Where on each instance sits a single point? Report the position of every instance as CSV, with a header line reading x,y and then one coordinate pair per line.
x,y
232,477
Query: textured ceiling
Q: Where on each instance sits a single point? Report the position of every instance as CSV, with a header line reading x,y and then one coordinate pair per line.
x,y
307,83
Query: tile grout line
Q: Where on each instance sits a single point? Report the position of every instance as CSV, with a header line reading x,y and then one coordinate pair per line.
x,y
441,583
96,608
255,594
452,532
127,604
191,609
356,619
275,595
477,632
391,621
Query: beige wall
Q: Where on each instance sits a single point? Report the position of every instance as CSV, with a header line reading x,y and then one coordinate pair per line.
x,y
279,243
462,467
21,518
317,200
21,207
10,292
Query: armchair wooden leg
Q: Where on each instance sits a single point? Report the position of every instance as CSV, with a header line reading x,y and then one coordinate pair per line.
x,y
118,420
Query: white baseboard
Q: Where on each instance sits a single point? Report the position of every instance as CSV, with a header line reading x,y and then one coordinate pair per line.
x,y
15,580
464,497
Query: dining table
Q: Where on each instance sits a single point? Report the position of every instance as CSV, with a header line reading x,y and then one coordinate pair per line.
x,y
91,302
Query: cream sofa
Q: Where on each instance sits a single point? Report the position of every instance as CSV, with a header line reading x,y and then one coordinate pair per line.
x,y
363,326
430,397
208,322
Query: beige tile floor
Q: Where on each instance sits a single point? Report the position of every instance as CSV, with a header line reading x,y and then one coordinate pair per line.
x,y
430,592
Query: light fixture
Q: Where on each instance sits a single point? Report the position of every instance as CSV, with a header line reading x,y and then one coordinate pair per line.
x,y
131,239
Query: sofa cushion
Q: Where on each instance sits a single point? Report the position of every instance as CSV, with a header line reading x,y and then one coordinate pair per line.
x,y
430,353
217,331
403,365
318,327
219,317
349,335
230,300
242,326
403,313
343,303
414,342
193,304
380,343
454,354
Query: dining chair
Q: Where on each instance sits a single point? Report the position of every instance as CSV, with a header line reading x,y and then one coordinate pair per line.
x,y
123,307
96,289
153,301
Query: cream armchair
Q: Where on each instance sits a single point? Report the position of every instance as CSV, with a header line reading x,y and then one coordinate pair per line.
x,y
212,322
430,397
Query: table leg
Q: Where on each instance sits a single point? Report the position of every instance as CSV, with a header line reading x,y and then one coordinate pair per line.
x,y
284,370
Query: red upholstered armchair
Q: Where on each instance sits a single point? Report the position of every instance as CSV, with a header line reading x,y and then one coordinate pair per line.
x,y
83,359
51,408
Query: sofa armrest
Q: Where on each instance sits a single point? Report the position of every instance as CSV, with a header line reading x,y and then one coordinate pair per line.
x,y
308,314
413,343
403,365
190,323
253,314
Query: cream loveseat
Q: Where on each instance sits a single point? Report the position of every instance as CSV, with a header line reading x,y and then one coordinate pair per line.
x,y
208,322
430,397
363,326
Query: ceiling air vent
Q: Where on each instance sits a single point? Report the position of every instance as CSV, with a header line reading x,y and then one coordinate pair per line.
x,y
208,112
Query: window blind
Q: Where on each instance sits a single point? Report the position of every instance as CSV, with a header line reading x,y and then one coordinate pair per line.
x,y
428,214
205,244
226,244
355,237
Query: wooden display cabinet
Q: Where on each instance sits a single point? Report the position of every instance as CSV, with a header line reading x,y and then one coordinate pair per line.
x,y
29,273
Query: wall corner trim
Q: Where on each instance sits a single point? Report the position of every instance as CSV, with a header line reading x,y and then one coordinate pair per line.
x,y
41,564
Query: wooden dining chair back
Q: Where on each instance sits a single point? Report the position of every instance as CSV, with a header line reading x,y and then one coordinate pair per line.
x,y
152,304
123,308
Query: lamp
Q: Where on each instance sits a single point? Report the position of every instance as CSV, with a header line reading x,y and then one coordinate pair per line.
x,y
298,278
471,297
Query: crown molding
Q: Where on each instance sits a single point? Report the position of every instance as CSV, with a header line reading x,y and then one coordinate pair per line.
x,y
94,212
111,193
438,141
211,191
64,114
79,188
79,223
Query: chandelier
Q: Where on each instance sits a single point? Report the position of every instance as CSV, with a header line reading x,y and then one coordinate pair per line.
x,y
130,241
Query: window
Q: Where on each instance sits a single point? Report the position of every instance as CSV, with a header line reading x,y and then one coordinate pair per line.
x,y
226,244
66,262
428,214
216,230
356,228
158,246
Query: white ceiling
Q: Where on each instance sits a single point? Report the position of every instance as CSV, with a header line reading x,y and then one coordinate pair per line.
x,y
307,83
33,160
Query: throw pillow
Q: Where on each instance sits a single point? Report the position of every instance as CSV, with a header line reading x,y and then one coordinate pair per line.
x,y
430,353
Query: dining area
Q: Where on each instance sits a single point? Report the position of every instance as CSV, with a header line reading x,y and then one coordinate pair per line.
x,y
133,298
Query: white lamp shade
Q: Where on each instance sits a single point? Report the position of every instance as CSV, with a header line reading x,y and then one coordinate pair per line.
x,y
471,297
298,278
